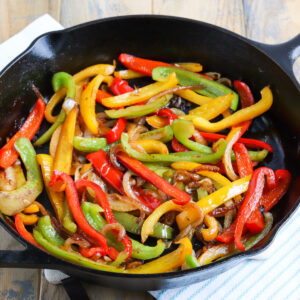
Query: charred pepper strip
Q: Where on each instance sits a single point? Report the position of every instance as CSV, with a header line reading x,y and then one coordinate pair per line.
x,y
8,153
252,200
212,88
141,170
112,175
12,202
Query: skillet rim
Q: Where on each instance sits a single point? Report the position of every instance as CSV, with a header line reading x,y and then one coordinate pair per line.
x,y
235,257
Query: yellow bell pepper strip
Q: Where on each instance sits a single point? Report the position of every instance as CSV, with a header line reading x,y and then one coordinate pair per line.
x,y
147,228
211,109
152,146
56,198
88,104
190,66
128,74
212,231
91,71
141,94
242,115
231,139
168,262
157,121
139,110
64,151
183,130
31,209
164,134
179,156
215,199
28,219
212,88
12,202
194,97
72,256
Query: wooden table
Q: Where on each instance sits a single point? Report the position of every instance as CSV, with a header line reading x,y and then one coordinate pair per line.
x,y
270,21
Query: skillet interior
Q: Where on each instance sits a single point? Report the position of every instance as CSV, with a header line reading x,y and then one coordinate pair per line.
x,y
167,39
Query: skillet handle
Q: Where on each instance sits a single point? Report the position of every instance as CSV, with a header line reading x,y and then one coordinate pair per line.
x,y
284,54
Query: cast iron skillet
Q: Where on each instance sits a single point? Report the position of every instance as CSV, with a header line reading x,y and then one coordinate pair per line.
x,y
167,39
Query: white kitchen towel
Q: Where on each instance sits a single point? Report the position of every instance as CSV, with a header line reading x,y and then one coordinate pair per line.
x,y
274,274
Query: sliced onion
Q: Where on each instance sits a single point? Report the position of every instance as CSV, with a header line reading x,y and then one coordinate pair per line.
x,y
134,131
199,138
140,120
114,150
54,141
225,81
114,227
203,167
121,203
70,241
213,75
131,194
68,105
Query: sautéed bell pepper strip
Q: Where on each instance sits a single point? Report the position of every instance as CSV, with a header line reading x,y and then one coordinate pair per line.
x,y
141,94
168,262
100,197
72,256
191,261
251,143
23,231
119,86
60,178
115,133
167,112
139,251
183,131
179,156
89,144
59,80
8,153
112,175
64,150
56,198
101,95
149,200
139,110
12,202
165,134
141,170
238,117
252,200
177,147
141,65
243,160
212,88
88,104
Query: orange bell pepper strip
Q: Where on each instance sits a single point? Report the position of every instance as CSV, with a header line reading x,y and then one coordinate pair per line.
x,y
8,153
168,262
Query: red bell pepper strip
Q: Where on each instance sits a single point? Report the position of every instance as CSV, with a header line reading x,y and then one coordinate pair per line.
x,y
115,133
269,198
251,143
149,200
252,200
243,160
102,95
141,170
177,147
23,231
120,86
58,179
167,112
103,202
8,153
112,175
244,92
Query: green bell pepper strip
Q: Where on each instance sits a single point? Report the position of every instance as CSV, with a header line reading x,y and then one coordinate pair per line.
x,y
132,225
212,88
254,155
47,135
71,256
191,261
178,156
201,193
139,251
12,202
89,144
59,80
166,132
139,110
183,131
68,221
47,230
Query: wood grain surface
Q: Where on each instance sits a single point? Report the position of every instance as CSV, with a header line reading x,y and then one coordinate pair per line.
x,y
271,21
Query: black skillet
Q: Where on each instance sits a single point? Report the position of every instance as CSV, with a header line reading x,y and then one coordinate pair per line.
x,y
168,39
